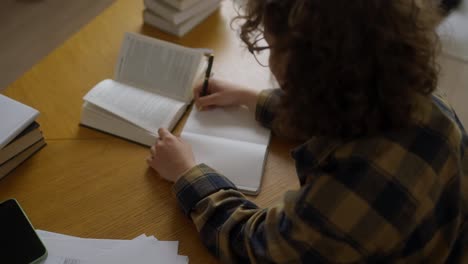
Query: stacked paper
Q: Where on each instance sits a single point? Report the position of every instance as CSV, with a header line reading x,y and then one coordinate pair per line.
x,y
63,249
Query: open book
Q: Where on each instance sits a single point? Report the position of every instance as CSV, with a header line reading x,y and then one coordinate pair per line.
x,y
152,89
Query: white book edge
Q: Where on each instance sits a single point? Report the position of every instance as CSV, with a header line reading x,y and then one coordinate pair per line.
x,y
179,30
94,117
149,117
181,4
175,16
25,116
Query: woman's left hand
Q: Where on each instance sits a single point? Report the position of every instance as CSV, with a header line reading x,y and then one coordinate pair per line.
x,y
170,156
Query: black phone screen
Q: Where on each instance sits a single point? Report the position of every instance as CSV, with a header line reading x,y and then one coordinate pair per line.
x,y
19,243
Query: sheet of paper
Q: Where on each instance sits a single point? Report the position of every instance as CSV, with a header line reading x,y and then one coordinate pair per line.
x,y
158,66
142,108
141,252
47,234
63,249
235,123
239,161
179,258
80,248
52,259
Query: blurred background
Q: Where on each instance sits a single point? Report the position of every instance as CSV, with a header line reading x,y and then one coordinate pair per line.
x,y
31,29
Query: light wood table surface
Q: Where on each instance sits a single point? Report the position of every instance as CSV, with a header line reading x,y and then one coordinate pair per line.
x,y
89,184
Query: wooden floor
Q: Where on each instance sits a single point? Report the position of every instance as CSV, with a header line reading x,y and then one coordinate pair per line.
x,y
30,29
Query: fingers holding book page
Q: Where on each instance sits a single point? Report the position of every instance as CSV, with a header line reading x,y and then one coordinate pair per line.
x,y
170,156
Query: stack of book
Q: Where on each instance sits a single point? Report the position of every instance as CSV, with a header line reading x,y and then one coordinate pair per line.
x,y
177,17
20,136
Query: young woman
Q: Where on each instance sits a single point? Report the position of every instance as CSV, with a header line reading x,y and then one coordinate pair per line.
x,y
382,166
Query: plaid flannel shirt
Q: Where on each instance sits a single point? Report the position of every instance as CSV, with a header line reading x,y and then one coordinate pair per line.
x,y
395,198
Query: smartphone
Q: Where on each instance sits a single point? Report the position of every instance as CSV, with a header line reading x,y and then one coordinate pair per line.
x,y
19,243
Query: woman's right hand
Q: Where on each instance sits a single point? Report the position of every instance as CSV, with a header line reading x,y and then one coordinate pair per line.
x,y
221,93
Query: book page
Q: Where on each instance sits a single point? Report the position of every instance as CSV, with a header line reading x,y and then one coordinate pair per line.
x,y
157,66
240,162
139,107
235,123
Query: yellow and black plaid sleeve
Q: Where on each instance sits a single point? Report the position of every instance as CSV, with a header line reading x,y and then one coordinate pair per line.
x,y
196,184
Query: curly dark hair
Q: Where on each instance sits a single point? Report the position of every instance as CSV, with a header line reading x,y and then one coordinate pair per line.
x,y
353,68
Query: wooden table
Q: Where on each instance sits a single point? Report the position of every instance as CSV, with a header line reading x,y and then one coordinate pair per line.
x,y
88,184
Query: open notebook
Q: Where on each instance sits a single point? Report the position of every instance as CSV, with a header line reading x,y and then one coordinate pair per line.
x,y
230,141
